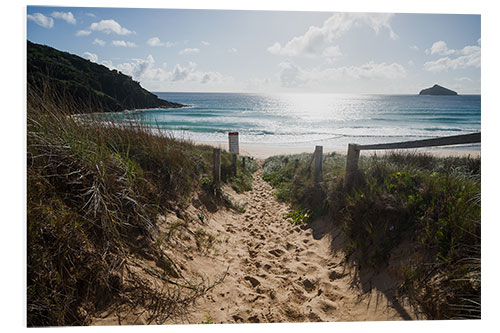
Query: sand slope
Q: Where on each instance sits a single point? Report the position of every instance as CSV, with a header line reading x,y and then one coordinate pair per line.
x,y
274,271
279,272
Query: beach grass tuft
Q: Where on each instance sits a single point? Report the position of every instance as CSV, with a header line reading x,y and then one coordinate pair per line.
x,y
94,194
432,203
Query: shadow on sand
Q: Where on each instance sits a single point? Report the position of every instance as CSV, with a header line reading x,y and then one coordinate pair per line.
x,y
365,279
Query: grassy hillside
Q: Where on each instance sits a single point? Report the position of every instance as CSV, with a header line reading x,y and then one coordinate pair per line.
x,y
414,214
90,85
95,194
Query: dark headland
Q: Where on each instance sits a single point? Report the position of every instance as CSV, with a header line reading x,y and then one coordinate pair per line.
x,y
91,85
437,90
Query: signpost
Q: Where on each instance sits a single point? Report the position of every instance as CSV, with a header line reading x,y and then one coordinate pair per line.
x,y
234,148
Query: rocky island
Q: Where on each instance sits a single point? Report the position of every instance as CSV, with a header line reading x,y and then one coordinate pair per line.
x,y
91,85
437,90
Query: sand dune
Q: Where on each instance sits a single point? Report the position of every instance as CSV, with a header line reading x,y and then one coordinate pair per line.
x,y
274,271
279,272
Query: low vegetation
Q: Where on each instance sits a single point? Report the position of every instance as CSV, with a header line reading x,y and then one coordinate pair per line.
x,y
431,203
89,84
95,192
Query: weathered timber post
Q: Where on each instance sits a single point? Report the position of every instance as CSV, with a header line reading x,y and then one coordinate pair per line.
x,y
351,165
296,164
217,165
234,148
235,159
318,164
244,159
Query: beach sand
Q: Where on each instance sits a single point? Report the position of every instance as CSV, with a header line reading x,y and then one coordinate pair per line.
x,y
263,151
280,272
275,271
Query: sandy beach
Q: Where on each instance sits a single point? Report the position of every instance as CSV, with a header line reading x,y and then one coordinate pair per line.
x,y
263,151
275,271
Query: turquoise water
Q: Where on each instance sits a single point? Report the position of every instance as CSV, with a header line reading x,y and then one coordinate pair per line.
x,y
332,120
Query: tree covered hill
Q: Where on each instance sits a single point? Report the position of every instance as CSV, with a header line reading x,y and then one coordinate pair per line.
x,y
91,85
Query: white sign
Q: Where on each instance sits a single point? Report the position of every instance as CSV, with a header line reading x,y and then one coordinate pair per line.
x,y
234,147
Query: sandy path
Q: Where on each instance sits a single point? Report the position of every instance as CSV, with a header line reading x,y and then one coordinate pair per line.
x,y
279,272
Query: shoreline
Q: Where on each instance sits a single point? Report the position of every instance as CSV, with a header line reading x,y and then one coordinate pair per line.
x,y
263,151
266,150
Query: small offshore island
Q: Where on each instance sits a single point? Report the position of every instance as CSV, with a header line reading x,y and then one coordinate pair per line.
x,y
437,90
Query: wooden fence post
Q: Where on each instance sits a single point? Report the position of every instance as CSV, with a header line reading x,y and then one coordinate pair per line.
x,y
351,166
318,164
217,165
235,160
244,159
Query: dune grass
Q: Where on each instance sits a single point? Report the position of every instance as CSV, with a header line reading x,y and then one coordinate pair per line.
x,y
94,193
431,202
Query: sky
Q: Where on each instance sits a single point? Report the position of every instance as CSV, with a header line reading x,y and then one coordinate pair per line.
x,y
270,51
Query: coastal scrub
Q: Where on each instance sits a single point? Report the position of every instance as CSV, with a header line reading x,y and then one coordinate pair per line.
x,y
399,198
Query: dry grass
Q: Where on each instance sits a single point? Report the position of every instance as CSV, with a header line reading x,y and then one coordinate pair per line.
x,y
94,194
433,203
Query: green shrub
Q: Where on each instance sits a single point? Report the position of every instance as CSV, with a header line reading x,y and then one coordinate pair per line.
x,y
431,202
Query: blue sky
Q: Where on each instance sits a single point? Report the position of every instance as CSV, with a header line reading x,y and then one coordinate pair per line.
x,y
270,51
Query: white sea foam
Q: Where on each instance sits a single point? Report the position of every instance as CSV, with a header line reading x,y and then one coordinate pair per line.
x,y
302,119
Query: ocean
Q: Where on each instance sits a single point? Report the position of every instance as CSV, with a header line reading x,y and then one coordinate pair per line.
x,y
331,120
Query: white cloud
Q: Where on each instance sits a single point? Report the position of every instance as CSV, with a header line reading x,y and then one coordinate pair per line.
x,y
205,43
99,42
91,15
68,17
108,63
232,50
469,56
372,70
439,48
180,74
110,26
91,56
123,43
209,77
275,48
292,75
189,51
144,70
42,20
332,52
414,47
316,40
155,41
83,33
464,79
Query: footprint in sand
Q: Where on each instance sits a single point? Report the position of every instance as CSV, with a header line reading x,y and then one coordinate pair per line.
x,y
335,275
276,252
254,319
253,281
308,285
327,306
237,318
